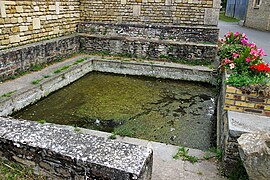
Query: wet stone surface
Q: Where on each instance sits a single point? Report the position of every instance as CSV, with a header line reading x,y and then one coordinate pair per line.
x,y
173,112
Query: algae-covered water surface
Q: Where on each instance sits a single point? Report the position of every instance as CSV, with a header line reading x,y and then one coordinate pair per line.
x,y
168,111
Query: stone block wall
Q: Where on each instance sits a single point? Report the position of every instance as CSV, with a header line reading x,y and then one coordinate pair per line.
x,y
258,17
20,59
148,49
27,21
179,12
240,101
197,34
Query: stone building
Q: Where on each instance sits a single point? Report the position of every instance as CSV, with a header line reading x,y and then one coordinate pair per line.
x,y
258,15
27,21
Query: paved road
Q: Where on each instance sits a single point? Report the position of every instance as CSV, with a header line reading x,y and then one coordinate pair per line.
x,y
262,39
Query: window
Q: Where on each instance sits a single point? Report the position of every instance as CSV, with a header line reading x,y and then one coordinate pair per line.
x,y
257,3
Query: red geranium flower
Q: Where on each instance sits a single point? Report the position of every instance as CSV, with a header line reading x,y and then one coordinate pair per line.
x,y
260,67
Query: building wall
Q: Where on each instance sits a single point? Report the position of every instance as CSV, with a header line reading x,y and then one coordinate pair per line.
x,y
178,12
28,21
259,17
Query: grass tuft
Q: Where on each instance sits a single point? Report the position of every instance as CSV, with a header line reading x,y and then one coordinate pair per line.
x,y
113,135
37,81
61,69
41,121
13,171
183,153
8,94
79,61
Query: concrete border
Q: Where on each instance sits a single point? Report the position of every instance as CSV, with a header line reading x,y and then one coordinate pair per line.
x,y
16,136
32,93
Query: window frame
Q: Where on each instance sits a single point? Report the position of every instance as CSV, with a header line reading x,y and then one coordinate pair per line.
x,y
257,4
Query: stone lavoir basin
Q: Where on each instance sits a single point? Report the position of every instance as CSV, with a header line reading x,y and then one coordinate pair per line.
x,y
168,111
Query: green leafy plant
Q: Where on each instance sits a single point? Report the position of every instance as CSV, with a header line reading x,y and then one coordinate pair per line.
x,y
37,81
218,152
113,135
79,61
93,30
77,129
61,69
163,56
46,76
170,48
161,37
206,156
37,67
170,37
8,94
13,171
41,121
183,153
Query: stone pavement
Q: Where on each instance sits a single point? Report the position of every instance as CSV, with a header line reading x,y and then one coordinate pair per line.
x,y
24,81
262,39
166,168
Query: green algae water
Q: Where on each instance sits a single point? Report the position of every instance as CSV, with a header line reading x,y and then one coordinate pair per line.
x,y
168,111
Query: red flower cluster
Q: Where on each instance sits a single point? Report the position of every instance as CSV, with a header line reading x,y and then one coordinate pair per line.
x,y
260,67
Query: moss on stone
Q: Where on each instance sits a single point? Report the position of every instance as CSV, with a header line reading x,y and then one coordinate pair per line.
x,y
174,112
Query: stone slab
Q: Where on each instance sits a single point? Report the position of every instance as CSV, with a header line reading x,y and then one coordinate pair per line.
x,y
254,151
100,157
240,123
165,167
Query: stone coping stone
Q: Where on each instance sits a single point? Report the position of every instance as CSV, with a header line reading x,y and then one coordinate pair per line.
x,y
117,160
127,38
240,123
151,25
158,64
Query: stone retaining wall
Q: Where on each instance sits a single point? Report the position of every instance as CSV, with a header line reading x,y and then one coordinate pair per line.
x,y
60,152
20,59
150,41
27,21
148,49
197,34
